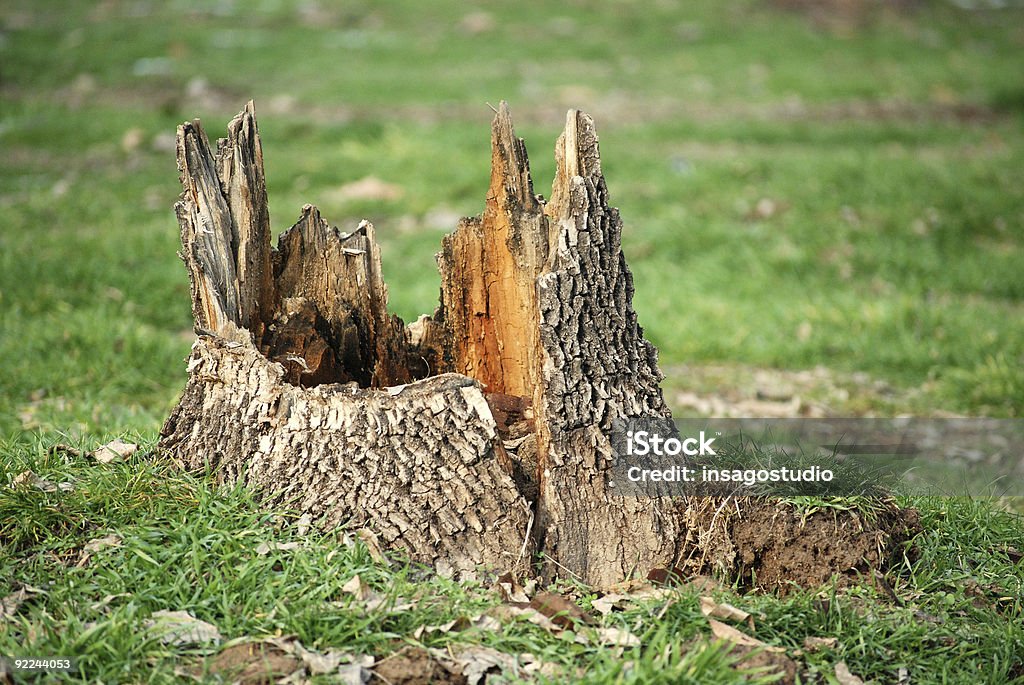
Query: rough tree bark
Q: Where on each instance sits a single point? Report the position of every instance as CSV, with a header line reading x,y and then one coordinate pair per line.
x,y
475,438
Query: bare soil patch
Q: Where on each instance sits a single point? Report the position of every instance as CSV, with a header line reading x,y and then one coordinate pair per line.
x,y
413,666
768,545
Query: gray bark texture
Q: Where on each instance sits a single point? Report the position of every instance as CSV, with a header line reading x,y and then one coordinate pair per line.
x,y
476,438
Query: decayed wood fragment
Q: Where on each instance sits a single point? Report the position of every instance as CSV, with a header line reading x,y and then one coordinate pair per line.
x,y
476,437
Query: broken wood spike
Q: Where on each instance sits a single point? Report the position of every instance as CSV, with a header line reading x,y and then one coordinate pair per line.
x,y
478,437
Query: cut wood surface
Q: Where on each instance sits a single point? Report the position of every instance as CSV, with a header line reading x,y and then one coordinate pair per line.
x,y
475,438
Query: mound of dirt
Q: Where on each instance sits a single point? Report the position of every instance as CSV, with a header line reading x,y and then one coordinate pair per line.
x,y
770,545
412,666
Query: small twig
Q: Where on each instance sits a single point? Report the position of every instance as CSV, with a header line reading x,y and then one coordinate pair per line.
x,y
526,539
575,575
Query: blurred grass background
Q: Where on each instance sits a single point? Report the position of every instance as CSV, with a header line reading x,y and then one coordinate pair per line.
x,y
831,183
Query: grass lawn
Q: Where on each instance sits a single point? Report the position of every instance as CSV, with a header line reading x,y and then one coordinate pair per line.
x,y
801,189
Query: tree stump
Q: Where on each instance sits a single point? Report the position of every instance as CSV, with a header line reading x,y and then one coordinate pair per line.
x,y
476,438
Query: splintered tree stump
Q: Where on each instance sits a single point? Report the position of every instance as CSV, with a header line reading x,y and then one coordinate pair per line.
x,y
476,438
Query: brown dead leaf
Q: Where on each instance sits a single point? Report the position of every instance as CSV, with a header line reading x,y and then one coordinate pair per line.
x,y
10,604
357,588
609,603
30,479
319,663
96,545
303,524
478,663
510,589
726,632
480,622
373,546
508,612
61,448
612,601
844,676
725,611
1012,553
114,451
354,674
265,548
181,628
616,637
387,604
813,644
631,586
560,610
638,590
664,576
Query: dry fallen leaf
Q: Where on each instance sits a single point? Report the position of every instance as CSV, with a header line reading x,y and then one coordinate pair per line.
x,y
510,589
30,479
560,610
61,448
181,628
354,674
844,676
617,637
664,576
357,588
96,545
386,604
631,586
373,546
10,604
319,663
478,663
509,612
303,524
728,612
114,451
730,634
480,622
608,603
813,644
265,548
311,662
